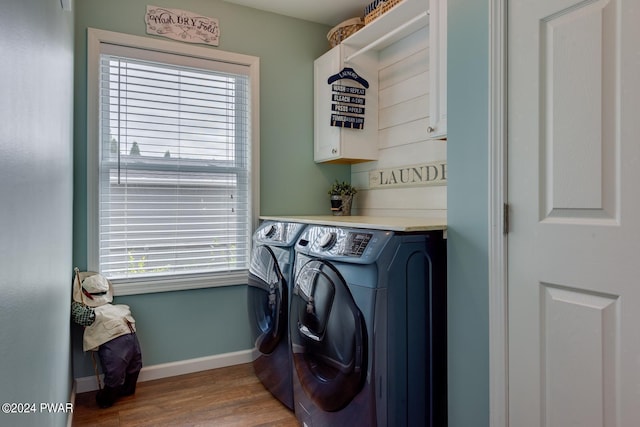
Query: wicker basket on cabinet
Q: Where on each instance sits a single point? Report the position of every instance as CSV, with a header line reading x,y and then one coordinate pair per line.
x,y
343,30
377,9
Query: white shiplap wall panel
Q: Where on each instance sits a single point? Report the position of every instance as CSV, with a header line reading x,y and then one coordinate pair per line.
x,y
404,48
400,71
412,154
422,198
360,179
404,112
403,118
407,133
407,89
403,198
400,199
404,155
418,153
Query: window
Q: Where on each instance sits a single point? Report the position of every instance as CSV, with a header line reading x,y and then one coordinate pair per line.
x,y
174,169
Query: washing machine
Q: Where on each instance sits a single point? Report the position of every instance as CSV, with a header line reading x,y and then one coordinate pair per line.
x,y
368,328
268,297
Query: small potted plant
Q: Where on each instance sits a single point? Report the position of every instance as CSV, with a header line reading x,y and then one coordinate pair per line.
x,y
341,198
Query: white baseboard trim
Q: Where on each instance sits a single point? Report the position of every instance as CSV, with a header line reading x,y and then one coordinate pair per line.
x,y
172,369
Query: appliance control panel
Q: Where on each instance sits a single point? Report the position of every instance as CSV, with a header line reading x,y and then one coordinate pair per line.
x,y
357,243
348,244
278,233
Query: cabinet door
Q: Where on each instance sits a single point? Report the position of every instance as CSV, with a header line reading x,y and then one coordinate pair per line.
x,y
345,144
326,138
438,69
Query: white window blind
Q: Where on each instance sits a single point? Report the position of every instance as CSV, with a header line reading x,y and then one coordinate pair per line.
x,y
174,165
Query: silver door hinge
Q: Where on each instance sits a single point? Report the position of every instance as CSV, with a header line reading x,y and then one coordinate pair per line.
x,y
505,218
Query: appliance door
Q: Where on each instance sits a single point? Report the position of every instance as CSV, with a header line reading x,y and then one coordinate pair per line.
x,y
267,300
328,337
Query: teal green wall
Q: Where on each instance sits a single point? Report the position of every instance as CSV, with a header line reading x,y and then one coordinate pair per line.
x,y
467,212
36,195
213,321
182,325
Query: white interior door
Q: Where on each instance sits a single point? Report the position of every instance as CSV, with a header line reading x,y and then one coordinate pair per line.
x,y
574,192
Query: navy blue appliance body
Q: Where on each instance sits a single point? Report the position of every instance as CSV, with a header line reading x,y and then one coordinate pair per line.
x,y
268,297
368,328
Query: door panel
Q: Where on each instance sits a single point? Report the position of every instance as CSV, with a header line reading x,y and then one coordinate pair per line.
x,y
267,300
578,179
579,353
328,337
573,169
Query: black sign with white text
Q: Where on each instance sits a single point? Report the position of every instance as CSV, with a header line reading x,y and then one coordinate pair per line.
x,y
344,121
348,101
349,89
350,109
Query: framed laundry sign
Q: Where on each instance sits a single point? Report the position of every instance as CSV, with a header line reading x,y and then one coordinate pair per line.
x,y
181,25
425,174
348,102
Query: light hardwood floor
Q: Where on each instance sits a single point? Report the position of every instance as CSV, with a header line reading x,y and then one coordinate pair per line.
x,y
231,396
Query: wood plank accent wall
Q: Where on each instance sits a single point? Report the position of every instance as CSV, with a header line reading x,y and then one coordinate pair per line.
x,y
403,118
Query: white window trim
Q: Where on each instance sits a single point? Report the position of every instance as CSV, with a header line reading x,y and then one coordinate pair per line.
x,y
94,38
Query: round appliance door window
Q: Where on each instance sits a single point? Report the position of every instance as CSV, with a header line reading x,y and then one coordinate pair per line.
x,y
267,300
328,337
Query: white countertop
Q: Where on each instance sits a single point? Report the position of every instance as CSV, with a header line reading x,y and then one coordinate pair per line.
x,y
404,224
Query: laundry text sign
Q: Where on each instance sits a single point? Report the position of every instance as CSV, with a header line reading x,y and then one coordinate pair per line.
x,y
348,73
349,89
181,25
349,109
347,121
434,173
347,100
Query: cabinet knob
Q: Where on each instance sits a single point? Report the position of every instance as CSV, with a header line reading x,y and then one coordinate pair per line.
x,y
431,129
334,151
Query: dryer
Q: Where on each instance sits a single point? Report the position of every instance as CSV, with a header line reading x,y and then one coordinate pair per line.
x,y
368,328
268,296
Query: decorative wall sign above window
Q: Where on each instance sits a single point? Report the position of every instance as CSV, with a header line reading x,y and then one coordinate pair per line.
x,y
182,25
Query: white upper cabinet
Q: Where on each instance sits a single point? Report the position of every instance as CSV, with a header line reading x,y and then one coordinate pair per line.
x,y
345,106
336,141
438,69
